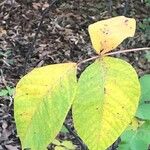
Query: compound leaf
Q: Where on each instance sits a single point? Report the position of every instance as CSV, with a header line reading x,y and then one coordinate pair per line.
x,y
107,34
107,98
42,100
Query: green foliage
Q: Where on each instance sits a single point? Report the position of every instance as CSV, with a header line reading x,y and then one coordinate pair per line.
x,y
147,3
136,138
64,145
8,91
145,27
143,111
64,129
103,101
6,55
137,135
3,92
147,56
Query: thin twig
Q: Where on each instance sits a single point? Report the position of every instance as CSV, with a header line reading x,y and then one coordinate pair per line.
x,y
127,50
109,6
46,10
113,53
83,146
126,8
89,59
31,45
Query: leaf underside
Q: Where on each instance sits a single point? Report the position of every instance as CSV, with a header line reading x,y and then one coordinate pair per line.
x,y
42,101
107,98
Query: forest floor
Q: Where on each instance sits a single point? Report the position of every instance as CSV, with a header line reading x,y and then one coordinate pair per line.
x,y
63,37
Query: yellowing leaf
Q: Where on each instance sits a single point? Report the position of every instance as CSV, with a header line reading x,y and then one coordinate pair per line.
x,y
106,35
59,148
107,98
135,124
68,145
42,101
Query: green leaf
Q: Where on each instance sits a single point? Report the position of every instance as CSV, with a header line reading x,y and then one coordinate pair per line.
x,y
65,145
145,88
59,148
56,142
107,98
3,92
136,139
147,56
143,111
42,101
10,90
68,145
64,129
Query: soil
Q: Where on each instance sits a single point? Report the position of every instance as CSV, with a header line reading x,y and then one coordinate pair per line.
x,y
63,37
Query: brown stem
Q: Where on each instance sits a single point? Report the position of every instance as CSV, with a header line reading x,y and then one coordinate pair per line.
x,y
86,60
83,146
113,53
31,45
127,50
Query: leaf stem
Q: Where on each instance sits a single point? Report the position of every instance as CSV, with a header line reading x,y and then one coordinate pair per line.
x,y
86,60
127,50
112,53
83,146
31,46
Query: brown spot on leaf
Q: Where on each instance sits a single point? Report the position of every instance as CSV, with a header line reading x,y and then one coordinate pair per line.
x,y
104,90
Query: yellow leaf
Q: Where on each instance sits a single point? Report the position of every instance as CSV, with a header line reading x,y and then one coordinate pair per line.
x,y
107,98
135,124
42,100
106,35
